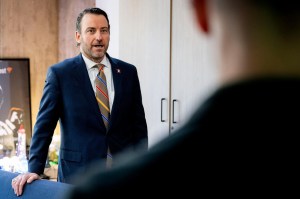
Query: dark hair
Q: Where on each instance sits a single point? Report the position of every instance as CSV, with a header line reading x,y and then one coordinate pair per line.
x,y
96,11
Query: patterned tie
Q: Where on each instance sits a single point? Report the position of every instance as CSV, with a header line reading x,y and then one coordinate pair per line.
x,y
102,95
103,102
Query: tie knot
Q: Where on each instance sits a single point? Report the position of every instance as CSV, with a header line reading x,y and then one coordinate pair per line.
x,y
100,67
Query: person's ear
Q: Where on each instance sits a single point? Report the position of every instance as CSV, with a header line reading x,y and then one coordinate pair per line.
x,y
200,8
77,38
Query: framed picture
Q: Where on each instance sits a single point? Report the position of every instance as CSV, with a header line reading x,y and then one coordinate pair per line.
x,y
15,107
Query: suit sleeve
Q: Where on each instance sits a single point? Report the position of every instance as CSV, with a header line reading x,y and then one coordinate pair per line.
x,y
45,124
141,132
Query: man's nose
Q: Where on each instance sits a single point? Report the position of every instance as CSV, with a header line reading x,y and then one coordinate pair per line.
x,y
98,35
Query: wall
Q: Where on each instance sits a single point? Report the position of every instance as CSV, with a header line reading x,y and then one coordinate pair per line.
x,y
68,11
28,29
41,30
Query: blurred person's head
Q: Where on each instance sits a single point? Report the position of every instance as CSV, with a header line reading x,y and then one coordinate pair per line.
x,y
252,37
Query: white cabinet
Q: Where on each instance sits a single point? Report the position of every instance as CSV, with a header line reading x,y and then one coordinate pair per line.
x,y
174,65
145,42
193,74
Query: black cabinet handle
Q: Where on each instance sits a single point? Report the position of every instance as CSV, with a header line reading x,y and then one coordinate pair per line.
x,y
173,103
161,109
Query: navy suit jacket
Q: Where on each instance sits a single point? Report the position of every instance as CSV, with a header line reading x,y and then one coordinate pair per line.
x,y
68,96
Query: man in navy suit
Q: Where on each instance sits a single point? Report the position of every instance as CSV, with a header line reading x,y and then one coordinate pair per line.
x,y
243,141
69,96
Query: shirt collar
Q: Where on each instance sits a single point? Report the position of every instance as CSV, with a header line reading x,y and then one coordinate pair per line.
x,y
90,64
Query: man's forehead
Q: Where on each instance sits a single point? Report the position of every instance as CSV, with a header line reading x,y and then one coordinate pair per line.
x,y
93,19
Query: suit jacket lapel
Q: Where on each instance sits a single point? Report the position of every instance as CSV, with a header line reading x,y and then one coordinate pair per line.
x,y
117,78
82,79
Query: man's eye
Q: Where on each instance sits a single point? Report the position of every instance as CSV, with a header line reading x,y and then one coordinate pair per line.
x,y
104,31
90,30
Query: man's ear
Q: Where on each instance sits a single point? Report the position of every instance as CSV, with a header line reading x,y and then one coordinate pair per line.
x,y
200,7
77,37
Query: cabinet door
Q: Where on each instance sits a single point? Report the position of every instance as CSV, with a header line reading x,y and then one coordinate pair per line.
x,y
193,74
144,32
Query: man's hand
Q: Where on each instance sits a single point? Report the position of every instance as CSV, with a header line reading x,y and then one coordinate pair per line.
x,y
19,181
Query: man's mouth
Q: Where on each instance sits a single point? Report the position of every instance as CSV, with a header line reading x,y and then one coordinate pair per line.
x,y
98,46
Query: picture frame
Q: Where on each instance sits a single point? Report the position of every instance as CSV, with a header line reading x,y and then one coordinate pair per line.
x,y
15,107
